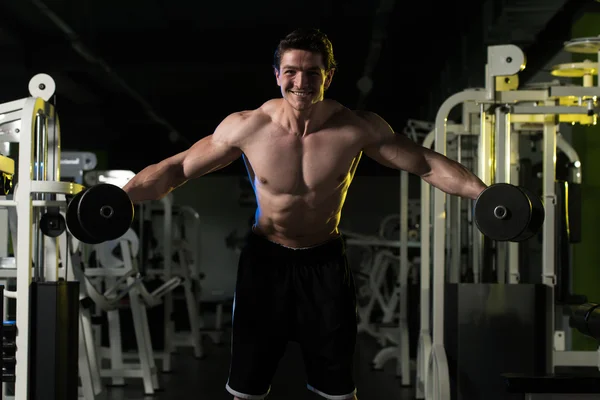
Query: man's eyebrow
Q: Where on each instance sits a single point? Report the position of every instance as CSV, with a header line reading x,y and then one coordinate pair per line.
x,y
297,67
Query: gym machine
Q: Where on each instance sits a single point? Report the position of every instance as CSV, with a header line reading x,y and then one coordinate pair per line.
x,y
400,350
389,249
501,105
586,319
455,133
7,271
581,314
182,270
74,164
396,304
47,297
177,257
464,264
122,276
186,237
166,273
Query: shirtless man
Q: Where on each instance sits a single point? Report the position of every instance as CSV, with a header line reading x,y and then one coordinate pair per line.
x,y
301,152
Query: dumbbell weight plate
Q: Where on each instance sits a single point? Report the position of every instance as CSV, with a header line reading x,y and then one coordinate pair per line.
x,y
503,212
52,224
73,224
105,211
538,216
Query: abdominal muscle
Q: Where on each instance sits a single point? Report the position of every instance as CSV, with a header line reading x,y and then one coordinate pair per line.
x,y
298,221
300,182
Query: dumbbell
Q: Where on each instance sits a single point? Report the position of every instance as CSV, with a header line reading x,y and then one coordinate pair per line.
x,y
99,213
586,319
52,223
505,212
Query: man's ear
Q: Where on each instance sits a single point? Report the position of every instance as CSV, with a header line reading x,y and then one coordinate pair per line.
x,y
329,77
276,72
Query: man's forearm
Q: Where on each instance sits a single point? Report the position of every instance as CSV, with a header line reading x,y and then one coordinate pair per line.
x,y
453,178
154,182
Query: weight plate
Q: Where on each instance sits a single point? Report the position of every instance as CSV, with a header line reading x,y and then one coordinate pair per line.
x,y
502,212
538,215
105,211
575,70
52,224
585,45
73,224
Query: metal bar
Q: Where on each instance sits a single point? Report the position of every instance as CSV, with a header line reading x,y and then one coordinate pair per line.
x,y
575,91
576,358
14,106
24,244
549,110
401,284
549,273
455,226
514,275
549,227
502,175
513,96
485,158
439,212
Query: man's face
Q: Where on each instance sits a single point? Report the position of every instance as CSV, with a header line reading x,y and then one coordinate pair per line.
x,y
302,78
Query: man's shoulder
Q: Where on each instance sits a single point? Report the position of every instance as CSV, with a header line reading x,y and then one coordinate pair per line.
x,y
268,108
372,120
239,125
259,115
246,118
340,112
366,115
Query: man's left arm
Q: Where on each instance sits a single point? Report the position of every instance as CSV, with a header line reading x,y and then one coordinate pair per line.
x,y
395,150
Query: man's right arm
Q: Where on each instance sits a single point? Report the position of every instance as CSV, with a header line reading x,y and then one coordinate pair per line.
x,y
209,154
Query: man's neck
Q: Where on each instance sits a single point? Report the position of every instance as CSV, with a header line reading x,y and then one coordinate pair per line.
x,y
301,122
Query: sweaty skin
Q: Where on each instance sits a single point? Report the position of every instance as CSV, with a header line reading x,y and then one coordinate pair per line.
x,y
301,153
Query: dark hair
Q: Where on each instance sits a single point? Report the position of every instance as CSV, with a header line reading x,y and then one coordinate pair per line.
x,y
308,39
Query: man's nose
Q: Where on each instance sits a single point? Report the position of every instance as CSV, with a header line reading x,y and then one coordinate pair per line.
x,y
301,79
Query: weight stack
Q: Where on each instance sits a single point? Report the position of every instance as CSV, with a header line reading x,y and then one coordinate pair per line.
x,y
53,340
492,329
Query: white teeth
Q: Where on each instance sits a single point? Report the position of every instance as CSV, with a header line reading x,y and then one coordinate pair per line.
x,y
300,93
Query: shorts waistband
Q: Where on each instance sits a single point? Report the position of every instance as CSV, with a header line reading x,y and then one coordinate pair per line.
x,y
329,248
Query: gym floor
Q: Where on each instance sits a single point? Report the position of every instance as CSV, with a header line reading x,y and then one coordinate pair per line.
x,y
205,379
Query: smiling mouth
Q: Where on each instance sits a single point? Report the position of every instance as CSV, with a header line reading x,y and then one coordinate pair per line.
x,y
300,93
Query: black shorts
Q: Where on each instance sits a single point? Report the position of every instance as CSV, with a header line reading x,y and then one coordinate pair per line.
x,y
304,295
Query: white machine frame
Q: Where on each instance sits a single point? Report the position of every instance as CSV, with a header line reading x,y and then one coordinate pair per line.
x,y
504,61
33,123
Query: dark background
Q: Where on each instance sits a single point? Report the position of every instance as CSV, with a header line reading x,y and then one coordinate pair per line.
x,y
138,81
